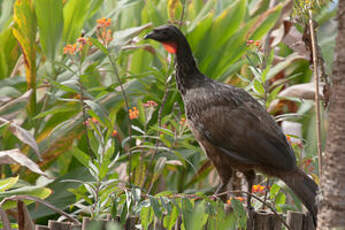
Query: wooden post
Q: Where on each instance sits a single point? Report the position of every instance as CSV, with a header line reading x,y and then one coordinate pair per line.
x,y
266,221
41,227
54,225
295,220
308,223
300,221
75,226
86,221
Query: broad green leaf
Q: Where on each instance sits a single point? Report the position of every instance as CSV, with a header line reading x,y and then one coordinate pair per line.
x,y
16,104
8,183
174,10
274,191
146,217
282,65
75,12
199,218
24,30
23,135
203,13
197,37
280,200
54,110
30,191
50,23
14,156
9,52
6,10
227,23
265,22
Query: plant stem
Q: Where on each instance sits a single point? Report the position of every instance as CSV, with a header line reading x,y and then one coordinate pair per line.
x,y
125,98
316,82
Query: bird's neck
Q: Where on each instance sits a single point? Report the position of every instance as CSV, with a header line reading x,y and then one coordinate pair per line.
x,y
186,68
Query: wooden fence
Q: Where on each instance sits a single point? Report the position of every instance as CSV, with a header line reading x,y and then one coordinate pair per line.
x,y
261,221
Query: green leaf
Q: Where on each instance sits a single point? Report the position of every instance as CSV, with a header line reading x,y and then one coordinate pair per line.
x,y
227,23
265,22
24,30
187,212
282,65
31,191
200,216
75,12
9,52
50,23
99,112
170,219
274,191
8,183
99,45
81,156
146,216
122,37
156,207
258,87
280,200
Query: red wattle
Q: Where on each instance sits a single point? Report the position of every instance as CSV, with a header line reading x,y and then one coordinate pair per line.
x,y
171,47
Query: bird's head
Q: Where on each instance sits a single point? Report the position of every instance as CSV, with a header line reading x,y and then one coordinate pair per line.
x,y
168,35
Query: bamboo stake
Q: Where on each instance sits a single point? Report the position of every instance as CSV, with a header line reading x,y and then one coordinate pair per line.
x,y
316,82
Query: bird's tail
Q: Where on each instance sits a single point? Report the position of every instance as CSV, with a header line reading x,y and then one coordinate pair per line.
x,y
305,188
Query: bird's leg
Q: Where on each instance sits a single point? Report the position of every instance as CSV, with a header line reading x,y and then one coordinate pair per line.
x,y
250,176
225,177
219,188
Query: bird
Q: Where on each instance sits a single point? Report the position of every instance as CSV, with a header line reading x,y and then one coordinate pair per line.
x,y
232,128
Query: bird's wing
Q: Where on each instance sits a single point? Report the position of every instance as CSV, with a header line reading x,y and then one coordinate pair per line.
x,y
246,134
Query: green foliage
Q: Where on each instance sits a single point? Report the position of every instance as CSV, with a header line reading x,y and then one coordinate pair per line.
x,y
92,139
50,23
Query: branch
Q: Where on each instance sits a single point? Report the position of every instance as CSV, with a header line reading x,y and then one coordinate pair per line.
x,y
316,82
257,198
125,98
26,197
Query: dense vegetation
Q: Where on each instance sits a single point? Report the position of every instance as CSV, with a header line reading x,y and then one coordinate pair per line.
x,y
96,106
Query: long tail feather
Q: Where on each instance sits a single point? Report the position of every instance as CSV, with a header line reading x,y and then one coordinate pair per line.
x,y
305,188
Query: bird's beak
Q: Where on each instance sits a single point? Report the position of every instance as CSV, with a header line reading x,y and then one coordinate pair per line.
x,y
149,36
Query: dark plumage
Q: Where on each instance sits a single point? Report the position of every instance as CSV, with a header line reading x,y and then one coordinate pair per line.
x,y
234,130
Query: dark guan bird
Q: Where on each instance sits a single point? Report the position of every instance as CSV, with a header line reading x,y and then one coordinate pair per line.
x,y
234,130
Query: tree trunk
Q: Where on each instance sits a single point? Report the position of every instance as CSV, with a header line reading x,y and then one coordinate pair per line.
x,y
332,205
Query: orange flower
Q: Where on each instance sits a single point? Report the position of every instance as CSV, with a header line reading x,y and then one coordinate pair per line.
x,y
103,22
150,104
182,121
94,120
258,188
114,133
82,40
288,139
70,49
239,198
257,43
133,113
104,36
